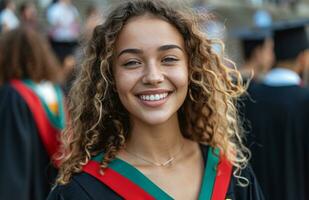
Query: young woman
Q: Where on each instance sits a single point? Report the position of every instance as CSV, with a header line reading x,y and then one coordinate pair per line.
x,y
152,114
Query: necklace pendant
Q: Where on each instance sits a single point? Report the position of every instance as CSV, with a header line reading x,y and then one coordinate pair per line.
x,y
168,162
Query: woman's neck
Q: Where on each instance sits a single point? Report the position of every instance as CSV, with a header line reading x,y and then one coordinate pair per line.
x,y
155,142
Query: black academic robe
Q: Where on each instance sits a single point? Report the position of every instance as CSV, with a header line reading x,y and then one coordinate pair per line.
x,y
85,187
25,170
278,136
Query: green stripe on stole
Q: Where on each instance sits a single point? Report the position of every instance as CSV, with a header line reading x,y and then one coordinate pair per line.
x,y
209,174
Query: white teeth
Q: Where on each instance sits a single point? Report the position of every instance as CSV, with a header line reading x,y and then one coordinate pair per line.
x,y
153,97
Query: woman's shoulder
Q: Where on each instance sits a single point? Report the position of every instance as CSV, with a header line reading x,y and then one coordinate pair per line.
x,y
11,100
82,187
71,190
7,90
10,95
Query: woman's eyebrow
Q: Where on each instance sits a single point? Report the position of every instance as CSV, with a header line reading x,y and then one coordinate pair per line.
x,y
131,50
169,46
161,48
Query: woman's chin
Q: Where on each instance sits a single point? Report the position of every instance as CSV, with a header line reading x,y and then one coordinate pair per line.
x,y
155,119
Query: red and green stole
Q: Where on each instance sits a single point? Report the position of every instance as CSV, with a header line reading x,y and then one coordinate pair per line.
x,y
48,124
130,183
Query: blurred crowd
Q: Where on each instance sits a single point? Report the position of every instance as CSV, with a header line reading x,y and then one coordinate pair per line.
x,y
65,30
37,67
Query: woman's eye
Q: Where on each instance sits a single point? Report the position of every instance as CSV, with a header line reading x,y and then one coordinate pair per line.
x,y
131,63
169,60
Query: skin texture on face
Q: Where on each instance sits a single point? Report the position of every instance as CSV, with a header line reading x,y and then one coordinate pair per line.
x,y
151,70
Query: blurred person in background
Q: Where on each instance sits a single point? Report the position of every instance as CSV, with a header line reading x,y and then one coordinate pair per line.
x,y
8,18
31,115
64,27
278,116
28,14
64,33
258,54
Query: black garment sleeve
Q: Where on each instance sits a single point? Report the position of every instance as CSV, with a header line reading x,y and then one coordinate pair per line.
x,y
15,145
83,187
252,191
71,191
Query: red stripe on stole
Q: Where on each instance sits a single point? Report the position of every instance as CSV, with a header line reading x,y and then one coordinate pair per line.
x,y
222,181
47,132
118,183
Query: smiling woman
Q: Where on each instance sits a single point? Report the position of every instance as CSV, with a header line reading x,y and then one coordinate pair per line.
x,y
153,115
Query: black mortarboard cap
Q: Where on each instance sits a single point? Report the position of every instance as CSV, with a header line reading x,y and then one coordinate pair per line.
x,y
290,39
252,38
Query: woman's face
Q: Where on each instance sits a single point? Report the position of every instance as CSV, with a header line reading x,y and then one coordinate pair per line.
x,y
151,69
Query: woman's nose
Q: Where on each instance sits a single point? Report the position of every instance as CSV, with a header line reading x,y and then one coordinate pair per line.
x,y
153,74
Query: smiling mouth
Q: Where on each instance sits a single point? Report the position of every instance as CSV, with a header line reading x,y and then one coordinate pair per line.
x,y
153,97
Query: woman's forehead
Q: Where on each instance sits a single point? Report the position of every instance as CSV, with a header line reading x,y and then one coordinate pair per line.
x,y
148,31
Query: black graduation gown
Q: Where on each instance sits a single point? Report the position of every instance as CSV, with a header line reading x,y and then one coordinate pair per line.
x,y
85,187
278,136
25,169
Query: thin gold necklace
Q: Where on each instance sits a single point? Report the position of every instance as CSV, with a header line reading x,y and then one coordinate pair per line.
x,y
157,164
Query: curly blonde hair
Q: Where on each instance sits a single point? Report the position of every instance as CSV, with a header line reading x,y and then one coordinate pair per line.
x,y
99,122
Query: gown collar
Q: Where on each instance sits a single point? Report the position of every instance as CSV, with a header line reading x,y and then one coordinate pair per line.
x,y
281,77
121,176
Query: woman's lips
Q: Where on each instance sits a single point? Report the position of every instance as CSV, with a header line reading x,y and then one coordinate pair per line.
x,y
153,98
